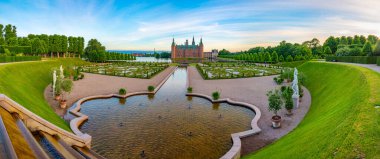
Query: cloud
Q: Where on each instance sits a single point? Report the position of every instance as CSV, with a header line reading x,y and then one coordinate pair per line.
x,y
234,25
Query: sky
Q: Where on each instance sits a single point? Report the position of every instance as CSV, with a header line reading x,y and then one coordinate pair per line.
x,y
231,24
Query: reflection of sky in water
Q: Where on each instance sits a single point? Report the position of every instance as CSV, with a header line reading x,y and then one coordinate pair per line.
x,y
166,125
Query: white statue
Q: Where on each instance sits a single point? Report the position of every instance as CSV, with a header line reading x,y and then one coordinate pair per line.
x,y
54,81
61,72
296,94
295,83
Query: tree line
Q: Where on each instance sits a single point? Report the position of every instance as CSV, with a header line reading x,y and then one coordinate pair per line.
x,y
42,45
96,52
338,46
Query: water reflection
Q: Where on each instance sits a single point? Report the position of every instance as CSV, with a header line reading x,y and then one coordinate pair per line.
x,y
166,125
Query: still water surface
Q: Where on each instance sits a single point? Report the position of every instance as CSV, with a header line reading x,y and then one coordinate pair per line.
x,y
166,125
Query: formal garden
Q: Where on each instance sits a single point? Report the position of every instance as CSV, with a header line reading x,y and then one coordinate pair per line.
x,y
236,70
126,69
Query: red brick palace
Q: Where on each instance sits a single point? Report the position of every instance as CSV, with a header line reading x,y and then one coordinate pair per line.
x,y
187,51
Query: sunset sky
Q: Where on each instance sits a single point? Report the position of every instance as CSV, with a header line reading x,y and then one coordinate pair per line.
x,y
234,25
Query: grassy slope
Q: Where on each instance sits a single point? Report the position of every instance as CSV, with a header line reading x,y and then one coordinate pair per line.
x,y
25,83
342,121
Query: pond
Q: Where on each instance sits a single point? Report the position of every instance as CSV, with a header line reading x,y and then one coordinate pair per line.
x,y
166,125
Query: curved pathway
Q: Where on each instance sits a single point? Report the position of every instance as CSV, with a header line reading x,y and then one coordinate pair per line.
x,y
373,67
252,90
95,84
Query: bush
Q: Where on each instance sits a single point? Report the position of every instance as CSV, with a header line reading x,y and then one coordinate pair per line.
x,y
278,80
378,61
150,88
289,104
275,102
122,91
353,59
5,59
215,95
189,89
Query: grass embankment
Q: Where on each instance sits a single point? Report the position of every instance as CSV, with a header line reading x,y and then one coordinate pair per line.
x,y
25,83
342,121
290,64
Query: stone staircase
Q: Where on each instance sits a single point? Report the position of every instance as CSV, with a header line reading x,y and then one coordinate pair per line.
x,y
18,140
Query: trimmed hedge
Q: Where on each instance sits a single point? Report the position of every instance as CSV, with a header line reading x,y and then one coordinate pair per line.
x,y
16,49
378,61
6,59
353,59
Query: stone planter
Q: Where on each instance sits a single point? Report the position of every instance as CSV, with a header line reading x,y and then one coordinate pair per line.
x,y
289,112
63,104
57,97
276,121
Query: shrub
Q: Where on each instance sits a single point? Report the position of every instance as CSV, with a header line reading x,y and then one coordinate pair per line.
x,y
289,104
278,80
353,59
150,88
67,85
4,59
275,102
189,89
122,91
215,95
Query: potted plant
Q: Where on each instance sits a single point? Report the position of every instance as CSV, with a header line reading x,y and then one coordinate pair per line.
x,y
289,105
189,89
150,88
58,90
66,86
275,104
122,91
287,96
215,95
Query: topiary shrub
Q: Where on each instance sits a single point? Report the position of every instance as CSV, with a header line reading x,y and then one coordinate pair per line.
x,y
122,91
189,89
215,95
150,88
278,80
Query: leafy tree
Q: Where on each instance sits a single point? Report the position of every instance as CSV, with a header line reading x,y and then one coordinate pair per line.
x,y
275,102
367,49
267,57
332,43
281,58
94,45
2,40
224,51
372,39
10,32
343,51
12,41
327,51
356,40
274,57
376,50
350,40
343,40
363,40
356,51
63,44
289,58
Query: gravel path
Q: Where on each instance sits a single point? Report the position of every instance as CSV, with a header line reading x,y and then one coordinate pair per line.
x,y
95,84
370,66
252,90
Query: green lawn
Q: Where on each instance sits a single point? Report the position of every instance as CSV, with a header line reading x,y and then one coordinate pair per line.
x,y
290,64
25,83
342,121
